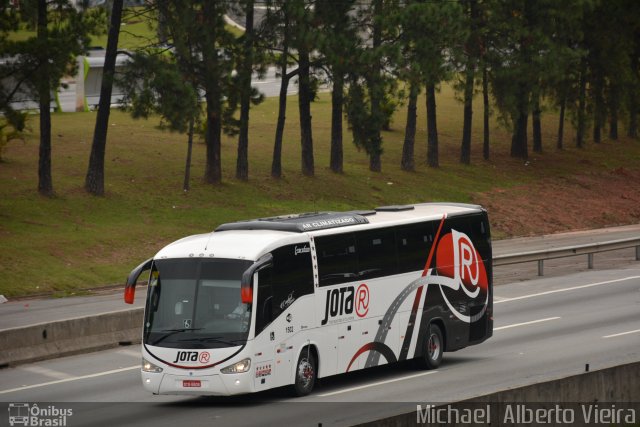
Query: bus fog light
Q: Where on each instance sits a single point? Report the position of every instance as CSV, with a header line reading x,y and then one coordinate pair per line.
x,y
150,367
237,368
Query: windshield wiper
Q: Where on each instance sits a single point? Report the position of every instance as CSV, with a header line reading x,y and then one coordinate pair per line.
x,y
173,332
214,339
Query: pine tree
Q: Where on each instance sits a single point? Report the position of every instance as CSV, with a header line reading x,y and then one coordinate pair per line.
x,y
37,64
337,42
94,180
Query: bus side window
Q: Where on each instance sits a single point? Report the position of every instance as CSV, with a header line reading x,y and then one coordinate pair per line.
x,y
337,259
264,314
480,235
414,242
376,253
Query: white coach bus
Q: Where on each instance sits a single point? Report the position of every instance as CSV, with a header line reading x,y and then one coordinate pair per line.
x,y
286,300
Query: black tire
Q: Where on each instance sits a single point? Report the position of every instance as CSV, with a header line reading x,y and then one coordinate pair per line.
x,y
433,348
306,371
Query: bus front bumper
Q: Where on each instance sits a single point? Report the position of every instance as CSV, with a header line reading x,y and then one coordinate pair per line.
x,y
212,385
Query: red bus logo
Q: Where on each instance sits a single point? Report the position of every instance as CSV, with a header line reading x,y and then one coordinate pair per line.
x,y
204,357
362,300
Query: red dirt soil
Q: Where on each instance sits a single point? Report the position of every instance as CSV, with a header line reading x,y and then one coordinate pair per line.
x,y
555,205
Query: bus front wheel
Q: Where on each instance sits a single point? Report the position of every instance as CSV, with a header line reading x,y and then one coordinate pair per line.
x,y
305,373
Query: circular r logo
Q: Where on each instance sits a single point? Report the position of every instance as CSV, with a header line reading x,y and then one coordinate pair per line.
x,y
204,357
362,300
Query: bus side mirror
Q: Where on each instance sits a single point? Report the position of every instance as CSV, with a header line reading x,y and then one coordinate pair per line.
x,y
246,286
130,287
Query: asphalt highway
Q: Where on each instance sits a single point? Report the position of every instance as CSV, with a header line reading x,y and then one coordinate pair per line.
x,y
544,329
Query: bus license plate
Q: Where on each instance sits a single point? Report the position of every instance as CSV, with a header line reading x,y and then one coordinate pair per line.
x,y
191,383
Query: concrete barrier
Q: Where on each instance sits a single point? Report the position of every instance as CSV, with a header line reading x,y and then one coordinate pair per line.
x,y
71,336
618,385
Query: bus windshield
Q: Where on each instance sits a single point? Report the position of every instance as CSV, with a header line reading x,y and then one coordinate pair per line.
x,y
195,303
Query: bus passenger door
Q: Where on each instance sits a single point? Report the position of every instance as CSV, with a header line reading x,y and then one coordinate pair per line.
x,y
264,348
274,351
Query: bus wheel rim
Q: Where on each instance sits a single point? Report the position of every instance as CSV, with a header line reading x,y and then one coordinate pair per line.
x,y
434,347
305,372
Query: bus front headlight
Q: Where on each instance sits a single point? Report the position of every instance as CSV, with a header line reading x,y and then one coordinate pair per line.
x,y
150,367
238,367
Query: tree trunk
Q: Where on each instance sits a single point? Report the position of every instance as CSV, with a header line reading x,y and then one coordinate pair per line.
x,y
242,164
304,106
563,106
465,147
535,123
599,110
276,162
45,182
485,121
632,132
613,118
432,129
407,163
375,161
213,137
597,129
581,104
187,168
374,135
376,93
213,134
337,100
94,181
161,31
519,146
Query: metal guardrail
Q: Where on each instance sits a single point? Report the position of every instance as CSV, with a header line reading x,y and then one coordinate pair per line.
x,y
568,251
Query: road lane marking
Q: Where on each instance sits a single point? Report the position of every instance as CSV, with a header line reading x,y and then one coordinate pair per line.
x,y
555,291
621,334
66,380
346,390
46,372
515,325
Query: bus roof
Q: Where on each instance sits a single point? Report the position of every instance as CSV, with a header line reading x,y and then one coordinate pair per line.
x,y
384,215
251,239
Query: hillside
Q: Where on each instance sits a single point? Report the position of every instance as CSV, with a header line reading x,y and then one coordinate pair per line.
x,y
75,241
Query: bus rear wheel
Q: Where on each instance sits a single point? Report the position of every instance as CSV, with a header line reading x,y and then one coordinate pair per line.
x,y
433,348
306,370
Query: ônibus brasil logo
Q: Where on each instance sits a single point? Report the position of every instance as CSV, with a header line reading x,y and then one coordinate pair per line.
x,y
342,301
459,266
26,414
